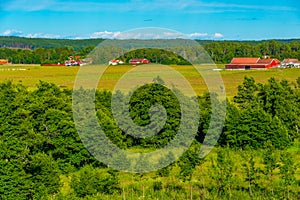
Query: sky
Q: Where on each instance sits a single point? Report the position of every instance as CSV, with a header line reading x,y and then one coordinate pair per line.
x,y
194,19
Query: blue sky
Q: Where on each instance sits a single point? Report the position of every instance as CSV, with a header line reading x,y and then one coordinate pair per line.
x,y
199,19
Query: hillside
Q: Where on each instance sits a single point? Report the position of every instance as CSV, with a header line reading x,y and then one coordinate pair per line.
x,y
52,51
33,43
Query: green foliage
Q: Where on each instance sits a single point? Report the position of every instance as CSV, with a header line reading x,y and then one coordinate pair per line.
x,y
33,43
42,55
39,51
265,113
246,93
90,181
271,163
42,156
252,172
156,56
157,186
44,175
223,52
287,172
188,162
280,100
223,172
140,103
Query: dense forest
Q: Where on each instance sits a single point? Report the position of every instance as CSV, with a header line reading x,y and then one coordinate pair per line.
x,y
34,43
41,51
257,155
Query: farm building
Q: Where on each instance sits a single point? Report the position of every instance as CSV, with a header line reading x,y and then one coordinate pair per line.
x,y
288,63
3,61
252,63
115,62
135,61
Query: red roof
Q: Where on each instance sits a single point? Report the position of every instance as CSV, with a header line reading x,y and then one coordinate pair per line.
x,y
268,61
244,60
240,63
289,60
139,60
3,61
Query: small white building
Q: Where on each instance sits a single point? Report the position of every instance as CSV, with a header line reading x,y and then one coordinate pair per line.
x,y
115,62
290,63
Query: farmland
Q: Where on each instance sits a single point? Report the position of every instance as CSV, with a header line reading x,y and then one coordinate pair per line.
x,y
43,157
257,155
30,75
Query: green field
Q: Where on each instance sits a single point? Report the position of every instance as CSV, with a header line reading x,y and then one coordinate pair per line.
x,y
41,148
65,76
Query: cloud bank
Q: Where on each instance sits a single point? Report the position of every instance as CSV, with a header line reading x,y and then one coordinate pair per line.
x,y
118,35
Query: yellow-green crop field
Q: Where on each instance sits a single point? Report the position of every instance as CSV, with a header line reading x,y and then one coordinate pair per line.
x,y
65,77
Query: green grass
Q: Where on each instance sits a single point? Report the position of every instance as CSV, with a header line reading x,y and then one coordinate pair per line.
x,y
132,185
30,75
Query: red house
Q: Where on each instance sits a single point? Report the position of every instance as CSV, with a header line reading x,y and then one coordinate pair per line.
x,y
252,63
3,61
136,61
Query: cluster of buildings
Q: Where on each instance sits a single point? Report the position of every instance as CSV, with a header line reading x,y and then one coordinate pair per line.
x,y
72,61
258,63
133,61
136,61
290,63
115,62
235,64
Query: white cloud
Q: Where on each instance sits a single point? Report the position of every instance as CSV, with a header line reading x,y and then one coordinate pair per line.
x,y
152,33
105,34
172,34
144,34
12,32
197,35
41,35
19,33
218,35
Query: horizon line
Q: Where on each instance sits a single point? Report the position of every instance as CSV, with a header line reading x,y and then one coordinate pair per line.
x,y
200,39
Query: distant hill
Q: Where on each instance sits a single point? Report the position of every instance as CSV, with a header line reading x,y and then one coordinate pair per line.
x,y
251,42
33,43
52,51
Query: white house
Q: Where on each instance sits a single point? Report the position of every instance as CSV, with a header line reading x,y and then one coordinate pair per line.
x,y
115,62
290,63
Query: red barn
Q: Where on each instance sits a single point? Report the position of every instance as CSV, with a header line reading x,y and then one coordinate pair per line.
x,y
252,63
135,61
3,61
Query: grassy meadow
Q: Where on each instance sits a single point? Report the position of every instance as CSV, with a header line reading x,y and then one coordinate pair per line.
x,y
65,77
206,180
154,186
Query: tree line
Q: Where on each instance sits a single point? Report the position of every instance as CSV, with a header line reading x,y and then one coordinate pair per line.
x,y
221,52
34,43
41,55
41,151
